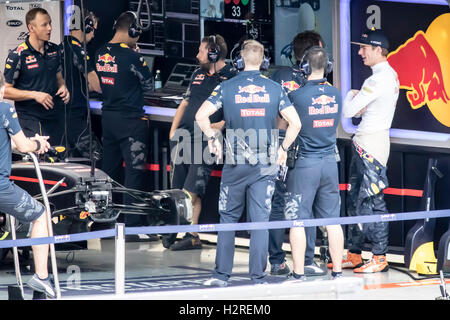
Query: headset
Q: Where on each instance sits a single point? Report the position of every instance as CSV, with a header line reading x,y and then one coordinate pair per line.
x,y
89,23
213,50
306,68
134,30
238,61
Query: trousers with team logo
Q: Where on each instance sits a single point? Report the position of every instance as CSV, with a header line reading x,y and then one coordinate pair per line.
x,y
244,185
361,200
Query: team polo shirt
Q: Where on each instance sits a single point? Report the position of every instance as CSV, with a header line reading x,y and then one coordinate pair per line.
x,y
290,78
124,76
73,55
9,126
319,106
200,88
28,69
250,101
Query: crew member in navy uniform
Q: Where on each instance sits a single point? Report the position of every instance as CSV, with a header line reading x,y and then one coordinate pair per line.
x,y
313,183
291,79
251,104
34,80
73,54
191,175
16,201
124,76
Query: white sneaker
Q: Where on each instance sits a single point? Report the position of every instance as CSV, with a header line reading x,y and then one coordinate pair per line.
x,y
214,282
40,285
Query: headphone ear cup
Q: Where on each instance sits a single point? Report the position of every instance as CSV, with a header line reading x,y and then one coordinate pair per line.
x,y
329,67
88,25
238,63
213,54
305,68
265,63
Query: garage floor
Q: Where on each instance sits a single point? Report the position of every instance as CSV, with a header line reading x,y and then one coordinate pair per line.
x,y
153,272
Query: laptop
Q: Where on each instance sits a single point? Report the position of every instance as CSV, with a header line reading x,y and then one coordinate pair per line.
x,y
177,83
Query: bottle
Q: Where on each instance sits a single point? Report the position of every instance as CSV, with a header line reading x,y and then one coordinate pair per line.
x,y
158,80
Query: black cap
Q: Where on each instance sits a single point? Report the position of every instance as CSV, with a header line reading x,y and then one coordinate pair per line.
x,y
374,37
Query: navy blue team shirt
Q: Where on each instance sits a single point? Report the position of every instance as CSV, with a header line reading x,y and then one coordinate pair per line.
x,y
9,126
124,76
28,69
250,101
319,106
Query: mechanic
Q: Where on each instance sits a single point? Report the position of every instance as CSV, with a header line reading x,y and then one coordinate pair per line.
x,y
188,174
124,76
291,78
375,103
34,80
313,184
76,126
16,201
251,104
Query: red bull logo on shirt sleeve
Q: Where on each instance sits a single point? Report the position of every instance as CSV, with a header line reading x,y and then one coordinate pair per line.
x,y
422,64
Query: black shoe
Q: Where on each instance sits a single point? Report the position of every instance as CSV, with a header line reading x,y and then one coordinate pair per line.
x,y
279,269
314,270
132,238
188,242
168,239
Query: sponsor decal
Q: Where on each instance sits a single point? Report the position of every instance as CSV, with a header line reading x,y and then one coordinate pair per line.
x,y
76,43
14,8
108,81
32,66
35,5
14,23
51,54
253,97
30,59
290,85
23,36
253,112
252,89
20,48
8,66
422,65
325,109
107,59
325,123
84,215
323,100
200,77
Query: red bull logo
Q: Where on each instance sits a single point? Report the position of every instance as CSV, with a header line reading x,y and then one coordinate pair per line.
x,y
290,85
251,89
323,100
20,48
253,97
107,59
422,64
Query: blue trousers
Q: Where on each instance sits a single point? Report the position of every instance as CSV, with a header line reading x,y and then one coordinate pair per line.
x,y
244,185
276,236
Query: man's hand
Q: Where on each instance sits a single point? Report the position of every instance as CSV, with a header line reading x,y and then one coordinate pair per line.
x,y
44,145
64,94
215,147
45,99
282,157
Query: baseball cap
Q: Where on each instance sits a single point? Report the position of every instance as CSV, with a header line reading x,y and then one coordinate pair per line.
x,y
373,37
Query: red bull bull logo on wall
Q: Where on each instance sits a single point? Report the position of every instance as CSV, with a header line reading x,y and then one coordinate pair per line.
x,y
107,59
423,67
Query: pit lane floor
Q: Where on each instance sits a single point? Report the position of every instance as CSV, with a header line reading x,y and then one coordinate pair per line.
x,y
153,272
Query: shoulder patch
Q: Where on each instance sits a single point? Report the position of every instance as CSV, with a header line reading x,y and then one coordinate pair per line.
x,y
76,43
